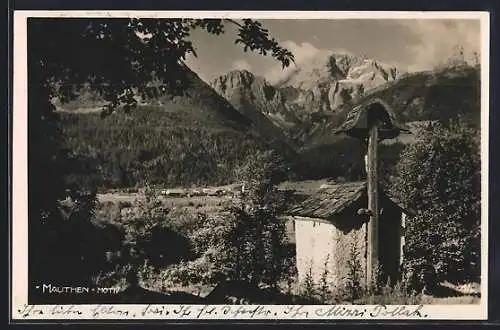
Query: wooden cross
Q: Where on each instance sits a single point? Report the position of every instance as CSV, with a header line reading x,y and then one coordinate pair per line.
x,y
372,122
372,178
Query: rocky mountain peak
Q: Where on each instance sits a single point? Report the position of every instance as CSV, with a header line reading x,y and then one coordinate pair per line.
x,y
244,90
315,88
327,82
255,98
234,78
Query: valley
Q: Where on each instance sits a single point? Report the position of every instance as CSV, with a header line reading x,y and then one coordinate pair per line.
x,y
190,150
204,135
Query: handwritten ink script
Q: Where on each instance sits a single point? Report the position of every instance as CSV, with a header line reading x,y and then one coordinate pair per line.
x,y
221,312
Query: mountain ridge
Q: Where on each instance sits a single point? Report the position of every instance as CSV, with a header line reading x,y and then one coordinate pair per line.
x,y
240,113
256,98
329,82
420,96
308,94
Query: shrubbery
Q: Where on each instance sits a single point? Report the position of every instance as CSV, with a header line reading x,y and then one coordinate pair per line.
x,y
248,241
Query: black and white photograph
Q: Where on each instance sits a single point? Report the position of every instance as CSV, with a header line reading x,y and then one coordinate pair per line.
x,y
250,165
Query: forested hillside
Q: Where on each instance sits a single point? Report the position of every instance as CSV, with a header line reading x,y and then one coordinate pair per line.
x,y
159,147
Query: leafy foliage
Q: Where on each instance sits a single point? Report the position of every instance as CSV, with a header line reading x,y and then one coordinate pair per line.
x,y
248,242
253,37
147,229
439,177
152,237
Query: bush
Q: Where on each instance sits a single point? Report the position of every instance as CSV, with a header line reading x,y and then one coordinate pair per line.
x,y
247,242
151,237
324,290
308,287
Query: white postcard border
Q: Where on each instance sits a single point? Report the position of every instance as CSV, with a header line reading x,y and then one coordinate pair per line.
x,y
19,225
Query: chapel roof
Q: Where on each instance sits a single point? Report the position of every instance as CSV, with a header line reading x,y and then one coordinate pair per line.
x,y
332,199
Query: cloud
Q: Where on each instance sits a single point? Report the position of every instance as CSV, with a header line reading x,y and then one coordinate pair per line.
x,y
241,65
303,52
306,55
439,39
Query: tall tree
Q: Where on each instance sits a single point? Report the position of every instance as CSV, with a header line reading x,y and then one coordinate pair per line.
x,y
439,176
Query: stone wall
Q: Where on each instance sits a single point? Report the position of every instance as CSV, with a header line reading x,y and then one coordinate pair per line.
x,y
318,241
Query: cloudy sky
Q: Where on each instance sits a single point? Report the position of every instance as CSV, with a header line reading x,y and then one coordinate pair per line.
x,y
411,44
